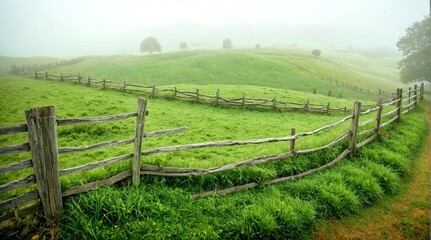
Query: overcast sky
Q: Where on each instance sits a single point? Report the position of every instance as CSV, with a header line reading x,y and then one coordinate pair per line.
x,y
78,27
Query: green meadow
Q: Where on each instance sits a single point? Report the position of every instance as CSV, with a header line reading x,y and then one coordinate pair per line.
x,y
162,207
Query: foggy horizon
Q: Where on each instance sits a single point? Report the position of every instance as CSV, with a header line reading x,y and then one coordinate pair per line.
x,y
76,28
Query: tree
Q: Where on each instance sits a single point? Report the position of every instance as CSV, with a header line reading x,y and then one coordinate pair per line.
x,y
183,45
227,44
150,44
257,46
316,53
415,65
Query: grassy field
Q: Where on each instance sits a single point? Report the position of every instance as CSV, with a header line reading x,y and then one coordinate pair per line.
x,y
205,123
162,206
266,69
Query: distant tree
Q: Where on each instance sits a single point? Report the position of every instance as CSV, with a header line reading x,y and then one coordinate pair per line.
x,y
150,44
257,46
227,44
415,66
183,46
316,53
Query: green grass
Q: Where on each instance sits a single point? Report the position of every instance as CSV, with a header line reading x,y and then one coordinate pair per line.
x,y
7,62
205,123
165,210
266,69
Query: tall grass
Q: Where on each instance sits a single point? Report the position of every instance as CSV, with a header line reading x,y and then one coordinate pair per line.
x,y
163,209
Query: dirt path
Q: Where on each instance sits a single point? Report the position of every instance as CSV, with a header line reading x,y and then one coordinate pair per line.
x,y
406,216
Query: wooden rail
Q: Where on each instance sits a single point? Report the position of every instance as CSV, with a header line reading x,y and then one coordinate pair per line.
x,y
41,128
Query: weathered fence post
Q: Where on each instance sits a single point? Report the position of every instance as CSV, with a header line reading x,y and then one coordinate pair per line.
x,y
274,102
153,91
124,86
61,77
46,75
175,92
89,81
197,95
42,136
307,105
243,99
410,91
354,126
139,133
327,108
416,95
378,115
292,142
399,103
35,74
79,78
104,83
217,96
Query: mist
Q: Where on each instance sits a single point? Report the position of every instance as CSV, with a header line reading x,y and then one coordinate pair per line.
x,y
75,28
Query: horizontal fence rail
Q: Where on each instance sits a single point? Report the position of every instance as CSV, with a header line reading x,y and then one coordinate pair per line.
x,y
51,202
197,96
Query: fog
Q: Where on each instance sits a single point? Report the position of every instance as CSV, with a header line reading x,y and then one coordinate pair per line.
x,y
70,28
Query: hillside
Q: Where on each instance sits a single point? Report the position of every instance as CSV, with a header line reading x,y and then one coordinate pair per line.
x,y
7,62
265,69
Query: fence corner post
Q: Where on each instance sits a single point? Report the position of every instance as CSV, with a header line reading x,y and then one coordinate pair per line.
x,y
42,134
139,133
354,127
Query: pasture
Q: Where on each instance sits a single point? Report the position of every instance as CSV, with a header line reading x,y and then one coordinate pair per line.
x,y
161,207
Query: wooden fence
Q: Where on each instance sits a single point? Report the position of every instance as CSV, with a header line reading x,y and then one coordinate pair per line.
x,y
41,128
29,68
196,96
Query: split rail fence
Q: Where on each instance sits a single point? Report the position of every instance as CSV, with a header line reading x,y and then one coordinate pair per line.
x,y
28,68
41,126
196,96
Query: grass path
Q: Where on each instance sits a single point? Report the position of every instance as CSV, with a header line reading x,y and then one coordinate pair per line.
x,y
405,215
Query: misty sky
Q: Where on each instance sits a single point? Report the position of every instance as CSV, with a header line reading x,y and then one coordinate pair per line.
x,y
69,28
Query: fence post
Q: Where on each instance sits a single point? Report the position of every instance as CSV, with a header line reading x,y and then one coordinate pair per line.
x,y
139,133
46,75
197,95
61,77
327,107
124,86
416,95
410,89
378,115
35,74
104,83
175,92
153,91
42,136
399,103
89,81
354,126
243,99
292,142
274,102
217,96
79,78
307,105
